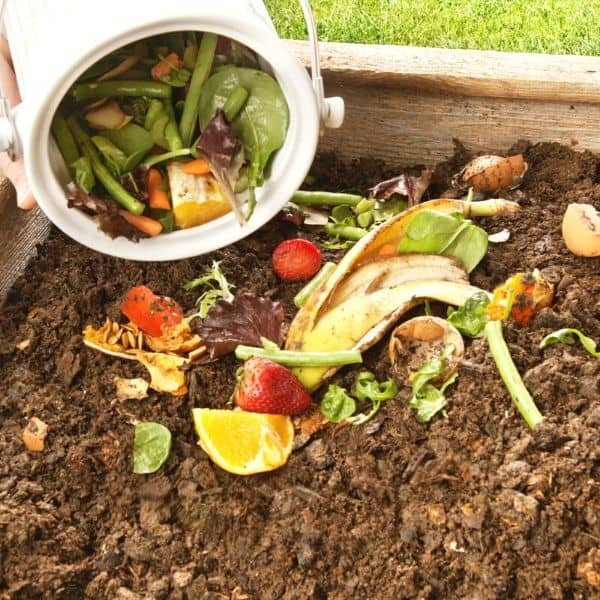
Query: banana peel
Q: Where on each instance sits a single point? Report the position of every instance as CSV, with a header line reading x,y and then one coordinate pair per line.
x,y
366,294
395,270
360,322
367,248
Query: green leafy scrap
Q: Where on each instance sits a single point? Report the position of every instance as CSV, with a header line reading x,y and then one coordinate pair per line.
x,y
426,399
151,447
434,232
471,318
568,336
337,405
217,287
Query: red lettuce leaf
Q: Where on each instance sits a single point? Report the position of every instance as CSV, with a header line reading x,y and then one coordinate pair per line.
x,y
107,214
411,186
244,321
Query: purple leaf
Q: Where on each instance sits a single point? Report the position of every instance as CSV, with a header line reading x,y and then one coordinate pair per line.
x,y
108,217
244,321
411,186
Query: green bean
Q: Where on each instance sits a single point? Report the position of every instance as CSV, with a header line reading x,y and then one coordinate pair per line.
x,y
112,186
314,283
155,110
293,358
325,198
110,88
172,135
64,139
204,60
346,232
235,102
365,219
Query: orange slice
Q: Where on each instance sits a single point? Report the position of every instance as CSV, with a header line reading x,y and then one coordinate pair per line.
x,y
244,442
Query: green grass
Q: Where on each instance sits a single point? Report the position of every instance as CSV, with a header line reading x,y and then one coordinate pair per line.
x,y
548,26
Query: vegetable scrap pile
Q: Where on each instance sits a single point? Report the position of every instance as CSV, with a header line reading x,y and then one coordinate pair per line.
x,y
168,132
412,252
410,473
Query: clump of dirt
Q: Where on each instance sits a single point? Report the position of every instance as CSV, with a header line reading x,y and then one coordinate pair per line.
x,y
472,505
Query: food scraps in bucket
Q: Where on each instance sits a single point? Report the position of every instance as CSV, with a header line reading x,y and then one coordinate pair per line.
x,y
127,134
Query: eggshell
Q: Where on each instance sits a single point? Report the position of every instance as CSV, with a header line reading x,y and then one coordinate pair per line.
x,y
581,230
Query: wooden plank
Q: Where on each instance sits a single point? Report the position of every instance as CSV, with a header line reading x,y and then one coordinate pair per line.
x,y
406,127
20,232
556,78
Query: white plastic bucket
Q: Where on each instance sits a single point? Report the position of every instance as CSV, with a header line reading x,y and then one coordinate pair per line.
x,y
53,41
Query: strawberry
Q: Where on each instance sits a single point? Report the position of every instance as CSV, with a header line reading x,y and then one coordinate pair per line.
x,y
266,387
296,259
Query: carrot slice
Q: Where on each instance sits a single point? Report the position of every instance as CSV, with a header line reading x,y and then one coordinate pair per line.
x,y
196,167
157,197
164,66
146,225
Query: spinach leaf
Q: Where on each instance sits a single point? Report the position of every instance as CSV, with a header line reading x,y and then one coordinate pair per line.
x,y
336,404
133,140
84,176
113,157
263,121
567,336
471,318
151,447
434,232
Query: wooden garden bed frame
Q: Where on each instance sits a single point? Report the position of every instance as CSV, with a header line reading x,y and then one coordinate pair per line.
x,y
406,105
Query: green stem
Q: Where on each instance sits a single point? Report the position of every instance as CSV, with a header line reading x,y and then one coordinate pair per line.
x,y
106,89
204,60
291,358
314,283
346,232
158,158
116,191
511,377
325,198
493,207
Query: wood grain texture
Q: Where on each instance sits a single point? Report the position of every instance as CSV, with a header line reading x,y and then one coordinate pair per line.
x,y
407,127
20,232
555,78
405,105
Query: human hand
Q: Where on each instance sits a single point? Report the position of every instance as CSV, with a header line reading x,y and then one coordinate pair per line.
x,y
13,170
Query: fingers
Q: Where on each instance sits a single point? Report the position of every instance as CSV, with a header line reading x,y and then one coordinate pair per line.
x,y
8,81
15,171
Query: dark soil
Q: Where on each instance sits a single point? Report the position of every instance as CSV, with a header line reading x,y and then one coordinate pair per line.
x,y
473,505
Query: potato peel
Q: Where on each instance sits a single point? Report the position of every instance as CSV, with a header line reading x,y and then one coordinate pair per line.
x,y
165,371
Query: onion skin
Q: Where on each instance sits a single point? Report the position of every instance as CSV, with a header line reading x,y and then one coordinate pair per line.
x,y
491,173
